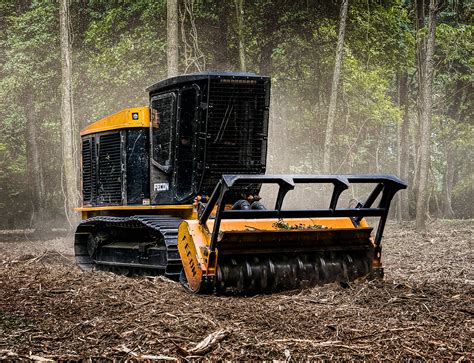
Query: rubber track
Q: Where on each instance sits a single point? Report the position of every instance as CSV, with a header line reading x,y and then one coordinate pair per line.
x,y
166,225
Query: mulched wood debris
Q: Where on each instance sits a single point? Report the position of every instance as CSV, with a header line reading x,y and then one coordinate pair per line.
x,y
423,310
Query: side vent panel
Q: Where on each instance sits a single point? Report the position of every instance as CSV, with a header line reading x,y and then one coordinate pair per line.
x,y
110,169
115,168
88,171
237,131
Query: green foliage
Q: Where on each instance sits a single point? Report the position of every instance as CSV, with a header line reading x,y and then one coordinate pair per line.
x,y
29,80
124,51
119,48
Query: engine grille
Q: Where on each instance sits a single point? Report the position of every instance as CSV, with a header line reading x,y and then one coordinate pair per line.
x,y
88,171
110,171
237,130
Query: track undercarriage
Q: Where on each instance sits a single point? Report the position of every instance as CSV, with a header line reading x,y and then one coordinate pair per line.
x,y
129,245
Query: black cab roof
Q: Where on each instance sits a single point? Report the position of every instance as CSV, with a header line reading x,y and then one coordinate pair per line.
x,y
200,76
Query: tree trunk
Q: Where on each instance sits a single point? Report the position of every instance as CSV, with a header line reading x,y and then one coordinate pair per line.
x,y
193,56
33,163
448,182
68,126
420,64
420,49
172,37
420,53
425,122
454,114
335,82
403,145
239,12
269,19
222,55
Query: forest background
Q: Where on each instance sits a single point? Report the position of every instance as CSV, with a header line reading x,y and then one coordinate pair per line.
x,y
401,101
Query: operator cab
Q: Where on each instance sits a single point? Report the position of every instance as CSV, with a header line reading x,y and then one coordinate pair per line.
x,y
202,126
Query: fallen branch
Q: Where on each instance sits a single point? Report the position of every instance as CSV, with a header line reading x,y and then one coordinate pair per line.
x,y
161,278
382,332
138,356
37,258
413,351
329,343
38,358
206,345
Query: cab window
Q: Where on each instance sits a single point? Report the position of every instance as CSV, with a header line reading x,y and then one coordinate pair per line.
x,y
162,114
185,149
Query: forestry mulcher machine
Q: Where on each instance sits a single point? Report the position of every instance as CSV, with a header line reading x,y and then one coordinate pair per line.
x,y
173,189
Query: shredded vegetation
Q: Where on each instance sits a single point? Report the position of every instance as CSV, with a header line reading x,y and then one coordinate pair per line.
x,y
423,310
281,224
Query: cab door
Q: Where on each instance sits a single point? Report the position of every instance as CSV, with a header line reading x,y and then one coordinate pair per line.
x,y
184,182
162,131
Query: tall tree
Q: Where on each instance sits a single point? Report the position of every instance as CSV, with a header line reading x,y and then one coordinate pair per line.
x,y
335,82
33,162
194,58
222,55
239,13
269,16
403,144
68,125
420,70
425,121
172,37
452,113
448,181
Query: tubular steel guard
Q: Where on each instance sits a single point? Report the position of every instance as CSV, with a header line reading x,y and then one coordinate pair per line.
x,y
387,185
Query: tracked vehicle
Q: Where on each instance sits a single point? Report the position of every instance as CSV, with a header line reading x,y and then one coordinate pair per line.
x,y
173,189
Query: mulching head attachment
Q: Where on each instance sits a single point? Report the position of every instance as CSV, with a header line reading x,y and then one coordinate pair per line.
x,y
255,251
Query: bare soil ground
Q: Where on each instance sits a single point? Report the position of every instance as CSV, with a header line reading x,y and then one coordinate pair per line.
x,y
424,309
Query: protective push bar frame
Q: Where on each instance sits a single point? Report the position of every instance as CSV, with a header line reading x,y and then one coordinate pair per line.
x,y
387,185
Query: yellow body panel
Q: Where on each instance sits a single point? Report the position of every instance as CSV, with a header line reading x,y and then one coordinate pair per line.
x,y
120,120
267,224
193,263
